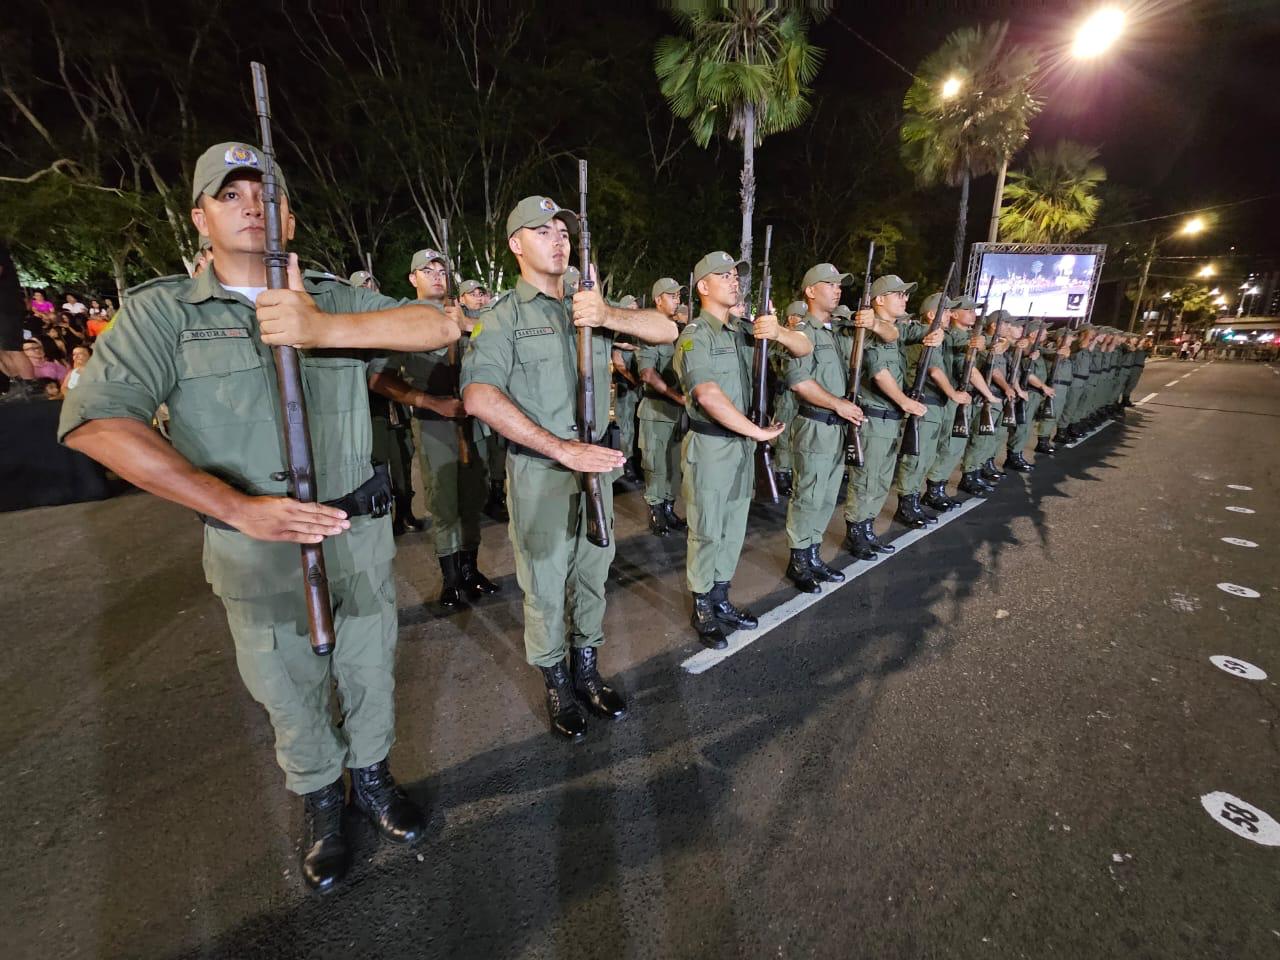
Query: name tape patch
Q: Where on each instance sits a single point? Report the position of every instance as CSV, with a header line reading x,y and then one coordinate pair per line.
x,y
534,332
229,333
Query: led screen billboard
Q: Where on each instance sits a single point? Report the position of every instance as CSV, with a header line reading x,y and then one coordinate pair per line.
x,y
1054,285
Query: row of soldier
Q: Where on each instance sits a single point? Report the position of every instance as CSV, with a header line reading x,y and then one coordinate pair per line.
x,y
201,346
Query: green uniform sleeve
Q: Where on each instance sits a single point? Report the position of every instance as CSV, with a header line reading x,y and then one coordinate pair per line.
x,y
647,358
133,368
875,356
693,359
911,331
799,369
490,353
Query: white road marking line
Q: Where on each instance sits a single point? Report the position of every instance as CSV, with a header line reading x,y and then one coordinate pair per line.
x,y
1241,510
1238,591
1145,399
1238,668
739,640
1098,429
1172,383
1238,542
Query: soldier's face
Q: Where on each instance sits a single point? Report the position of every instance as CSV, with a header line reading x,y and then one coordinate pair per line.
x,y
543,249
233,218
474,300
720,288
667,303
430,281
964,318
824,295
895,303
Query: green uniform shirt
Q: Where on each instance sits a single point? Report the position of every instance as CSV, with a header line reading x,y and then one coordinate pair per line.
x,y
708,351
526,345
195,346
826,364
660,358
878,355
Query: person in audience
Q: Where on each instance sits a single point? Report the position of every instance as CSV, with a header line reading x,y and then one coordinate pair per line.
x,y
79,357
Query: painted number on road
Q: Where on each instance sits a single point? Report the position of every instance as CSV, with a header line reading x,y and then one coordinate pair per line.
x,y
1238,591
1239,668
1238,486
1237,542
1241,818
1239,509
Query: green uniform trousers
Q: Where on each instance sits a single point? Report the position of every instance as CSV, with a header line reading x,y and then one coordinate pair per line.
x,y
912,469
1131,382
1079,400
493,450
950,449
456,494
1047,428
273,653
1020,435
561,573
625,404
868,486
660,458
818,458
975,451
719,480
394,447
784,411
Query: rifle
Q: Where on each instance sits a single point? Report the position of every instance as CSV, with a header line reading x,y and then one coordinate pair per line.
x,y
987,424
1047,409
1015,412
760,380
911,438
461,426
597,524
960,425
293,401
853,455
1035,345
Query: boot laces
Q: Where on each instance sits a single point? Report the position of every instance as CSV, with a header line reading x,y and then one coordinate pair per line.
x,y
324,813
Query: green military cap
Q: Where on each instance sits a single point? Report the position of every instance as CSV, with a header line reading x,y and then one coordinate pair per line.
x,y
469,286
628,302
825,273
966,302
219,162
717,262
665,285
422,257
797,308
1000,316
891,283
360,278
538,211
842,313
931,303
571,276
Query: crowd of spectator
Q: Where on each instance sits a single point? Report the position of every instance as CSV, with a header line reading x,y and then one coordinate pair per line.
x,y
57,338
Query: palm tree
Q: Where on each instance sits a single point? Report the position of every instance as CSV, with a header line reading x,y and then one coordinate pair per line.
x,y
740,69
967,111
1054,199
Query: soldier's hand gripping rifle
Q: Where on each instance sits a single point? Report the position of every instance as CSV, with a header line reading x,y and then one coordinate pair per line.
x,y
1040,326
960,425
1015,411
1048,409
911,436
760,382
597,523
987,423
293,402
461,425
853,455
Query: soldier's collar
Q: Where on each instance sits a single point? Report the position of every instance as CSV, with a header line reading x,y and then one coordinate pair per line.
x,y
526,291
206,287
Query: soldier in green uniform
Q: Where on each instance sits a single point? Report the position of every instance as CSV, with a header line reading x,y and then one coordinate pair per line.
x,y
820,383
474,297
1038,389
883,402
520,376
1082,373
626,394
975,479
392,441
1140,349
427,383
660,413
939,391
1058,359
713,361
785,404
198,345
1002,380
963,334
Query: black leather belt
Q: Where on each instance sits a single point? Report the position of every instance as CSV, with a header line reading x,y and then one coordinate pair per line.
x,y
819,415
1061,383
371,499
883,414
933,401
422,413
1081,376
713,430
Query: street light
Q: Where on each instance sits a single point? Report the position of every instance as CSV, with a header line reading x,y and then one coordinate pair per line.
x,y
1193,226
1098,33
1206,270
951,87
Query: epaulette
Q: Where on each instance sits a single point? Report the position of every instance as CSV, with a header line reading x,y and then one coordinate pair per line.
x,y
155,281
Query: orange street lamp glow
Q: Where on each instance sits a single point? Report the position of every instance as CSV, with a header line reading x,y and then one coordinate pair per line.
x,y
1098,33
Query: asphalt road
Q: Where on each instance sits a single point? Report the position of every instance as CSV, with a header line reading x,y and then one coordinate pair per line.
x,y
994,744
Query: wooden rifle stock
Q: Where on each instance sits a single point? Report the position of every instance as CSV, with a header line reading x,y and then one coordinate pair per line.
x,y
853,454
1026,367
911,436
1048,409
760,383
293,403
461,425
597,522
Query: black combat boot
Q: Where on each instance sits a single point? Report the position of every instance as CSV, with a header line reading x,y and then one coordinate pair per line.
x,y
784,483
936,496
473,581
990,472
727,613
496,506
402,519
673,521
798,572
450,594
869,534
325,856
908,513
658,523
375,792
567,718
710,630
821,569
856,540
1126,401
600,698
1016,461
1045,447
973,484
630,473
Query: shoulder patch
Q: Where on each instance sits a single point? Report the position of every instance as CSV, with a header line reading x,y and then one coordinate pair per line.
x,y
475,331
155,282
